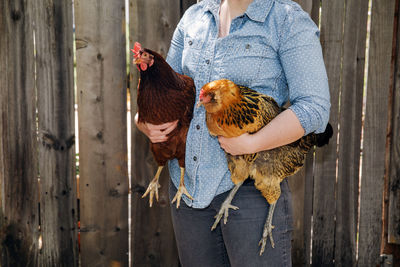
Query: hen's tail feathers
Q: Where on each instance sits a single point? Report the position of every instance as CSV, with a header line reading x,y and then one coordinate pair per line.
x,y
323,138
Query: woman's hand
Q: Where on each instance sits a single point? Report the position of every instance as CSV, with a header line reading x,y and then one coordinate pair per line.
x,y
240,145
156,133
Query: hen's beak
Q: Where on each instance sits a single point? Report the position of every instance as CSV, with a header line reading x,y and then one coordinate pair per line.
x,y
137,60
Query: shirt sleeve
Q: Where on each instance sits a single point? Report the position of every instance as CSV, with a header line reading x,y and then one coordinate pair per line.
x,y
302,61
174,57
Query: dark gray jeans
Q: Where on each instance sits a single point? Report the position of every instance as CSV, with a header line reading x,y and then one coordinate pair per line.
x,y
234,243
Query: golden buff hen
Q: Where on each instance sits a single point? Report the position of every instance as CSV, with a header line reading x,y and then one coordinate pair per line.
x,y
232,110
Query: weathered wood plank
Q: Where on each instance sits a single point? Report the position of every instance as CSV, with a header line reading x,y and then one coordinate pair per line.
x,y
55,97
301,185
325,158
373,161
18,146
394,175
315,11
351,102
153,241
101,86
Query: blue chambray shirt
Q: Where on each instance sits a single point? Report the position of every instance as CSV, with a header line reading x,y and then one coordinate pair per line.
x,y
273,48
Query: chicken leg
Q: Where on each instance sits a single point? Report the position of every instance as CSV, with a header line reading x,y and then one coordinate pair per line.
x,y
181,190
153,186
224,210
268,230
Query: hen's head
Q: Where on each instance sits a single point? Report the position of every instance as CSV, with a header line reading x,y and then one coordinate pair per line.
x,y
143,58
217,95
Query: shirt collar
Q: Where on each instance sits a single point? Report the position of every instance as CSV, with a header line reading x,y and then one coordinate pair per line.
x,y
257,10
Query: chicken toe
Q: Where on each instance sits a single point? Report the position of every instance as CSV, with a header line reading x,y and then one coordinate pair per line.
x,y
224,210
153,186
181,190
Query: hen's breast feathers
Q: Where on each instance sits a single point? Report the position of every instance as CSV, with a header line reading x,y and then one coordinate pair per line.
x,y
249,114
160,104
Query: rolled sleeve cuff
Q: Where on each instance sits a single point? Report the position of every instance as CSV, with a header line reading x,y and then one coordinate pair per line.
x,y
310,119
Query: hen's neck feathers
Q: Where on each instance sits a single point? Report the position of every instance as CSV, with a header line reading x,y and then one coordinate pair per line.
x,y
160,73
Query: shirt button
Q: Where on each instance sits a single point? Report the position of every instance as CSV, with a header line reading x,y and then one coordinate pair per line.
x,y
198,127
248,46
207,61
194,158
190,42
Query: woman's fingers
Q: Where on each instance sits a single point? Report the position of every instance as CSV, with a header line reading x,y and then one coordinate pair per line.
x,y
159,133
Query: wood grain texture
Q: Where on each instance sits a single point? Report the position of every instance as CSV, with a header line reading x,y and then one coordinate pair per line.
x,y
301,185
351,102
325,158
101,89
373,161
18,146
55,98
152,237
394,175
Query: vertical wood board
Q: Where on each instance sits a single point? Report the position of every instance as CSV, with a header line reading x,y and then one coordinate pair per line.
x,y
301,185
394,175
101,89
351,102
54,69
325,158
372,180
18,147
152,237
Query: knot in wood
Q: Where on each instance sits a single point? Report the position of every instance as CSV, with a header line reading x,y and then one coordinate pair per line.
x,y
16,15
114,193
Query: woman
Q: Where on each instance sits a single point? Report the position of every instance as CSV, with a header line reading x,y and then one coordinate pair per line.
x,y
271,46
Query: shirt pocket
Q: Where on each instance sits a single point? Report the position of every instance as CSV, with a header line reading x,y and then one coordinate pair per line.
x,y
190,54
252,64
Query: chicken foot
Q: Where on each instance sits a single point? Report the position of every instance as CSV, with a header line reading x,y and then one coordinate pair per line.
x,y
224,210
181,190
153,186
268,230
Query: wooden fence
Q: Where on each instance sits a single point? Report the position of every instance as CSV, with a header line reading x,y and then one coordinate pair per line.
x,y
346,199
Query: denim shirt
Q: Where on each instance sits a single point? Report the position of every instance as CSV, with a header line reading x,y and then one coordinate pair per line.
x,y
273,48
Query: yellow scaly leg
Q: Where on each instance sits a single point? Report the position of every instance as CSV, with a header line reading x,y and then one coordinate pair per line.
x,y
181,190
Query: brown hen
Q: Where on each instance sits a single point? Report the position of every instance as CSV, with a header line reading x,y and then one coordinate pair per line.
x,y
232,110
164,96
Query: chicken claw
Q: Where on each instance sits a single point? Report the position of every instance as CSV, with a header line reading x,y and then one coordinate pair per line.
x,y
224,210
181,190
153,187
267,230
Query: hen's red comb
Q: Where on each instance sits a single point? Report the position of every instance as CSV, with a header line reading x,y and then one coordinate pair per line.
x,y
136,49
